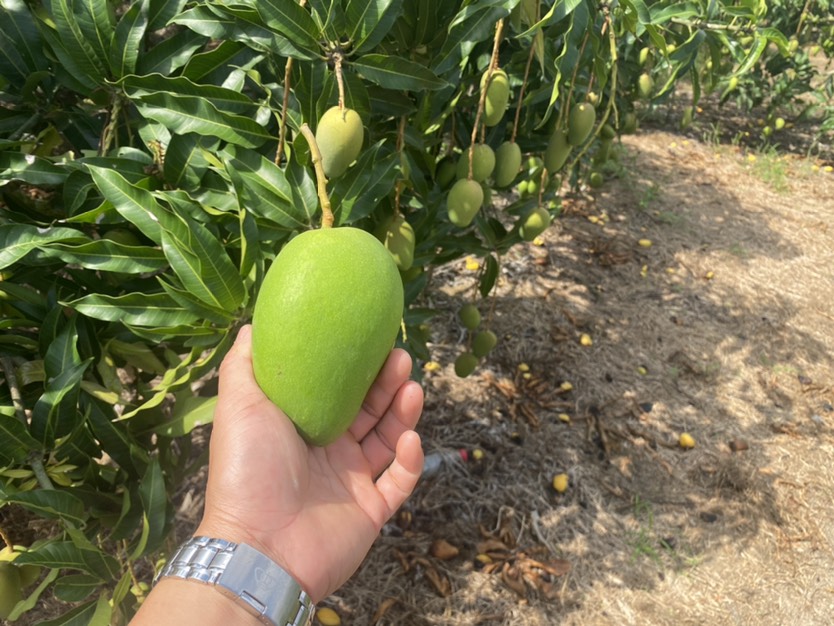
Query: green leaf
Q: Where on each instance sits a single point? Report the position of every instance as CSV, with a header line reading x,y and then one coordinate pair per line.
x,y
756,50
185,163
290,19
489,276
662,14
242,25
18,240
362,187
62,352
394,72
188,414
31,601
15,441
303,188
84,55
190,114
474,23
223,98
161,12
114,439
170,54
135,204
50,504
75,587
127,41
107,255
140,309
156,510
197,306
31,169
66,554
20,43
55,413
368,21
263,189
205,63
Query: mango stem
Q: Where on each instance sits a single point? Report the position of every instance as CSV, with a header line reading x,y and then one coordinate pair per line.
x,y
321,180
493,63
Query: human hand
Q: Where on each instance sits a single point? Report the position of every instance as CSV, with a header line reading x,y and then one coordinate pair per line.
x,y
315,511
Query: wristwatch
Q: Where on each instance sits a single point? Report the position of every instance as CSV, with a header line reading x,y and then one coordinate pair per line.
x,y
240,571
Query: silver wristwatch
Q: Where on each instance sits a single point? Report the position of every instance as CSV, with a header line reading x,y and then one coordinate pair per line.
x,y
242,572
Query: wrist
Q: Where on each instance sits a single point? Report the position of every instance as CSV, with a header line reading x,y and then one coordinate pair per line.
x,y
184,602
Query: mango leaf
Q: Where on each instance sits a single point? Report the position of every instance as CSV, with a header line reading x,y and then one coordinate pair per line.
x,y
31,169
127,40
78,616
67,554
62,351
226,23
185,163
157,511
204,64
756,50
191,302
20,44
51,504
263,189
18,240
75,587
360,189
114,439
368,21
288,18
170,54
189,413
224,99
394,72
55,413
135,204
15,441
160,12
80,37
107,255
31,601
558,11
489,276
140,309
473,23
303,189
185,114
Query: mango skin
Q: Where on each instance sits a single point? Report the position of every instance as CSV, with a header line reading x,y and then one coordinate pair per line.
x,y
325,320
483,163
557,152
534,223
465,199
398,238
10,588
507,163
339,135
497,97
581,123
645,86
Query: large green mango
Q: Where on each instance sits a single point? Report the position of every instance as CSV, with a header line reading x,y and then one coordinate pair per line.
x,y
580,123
325,320
497,96
465,199
507,163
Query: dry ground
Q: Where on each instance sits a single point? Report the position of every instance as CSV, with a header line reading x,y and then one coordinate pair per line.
x,y
723,328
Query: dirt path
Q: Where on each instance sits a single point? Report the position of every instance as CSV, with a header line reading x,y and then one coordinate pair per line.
x,y
723,328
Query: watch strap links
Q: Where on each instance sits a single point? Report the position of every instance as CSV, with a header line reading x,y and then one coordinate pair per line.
x,y
242,572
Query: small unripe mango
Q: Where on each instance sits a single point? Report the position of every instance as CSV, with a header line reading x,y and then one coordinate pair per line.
x,y
603,152
325,320
644,55
398,238
558,150
507,163
534,223
339,136
483,343
629,124
10,588
445,172
580,123
645,86
465,364
497,96
487,195
483,162
469,316
465,198
596,179
607,132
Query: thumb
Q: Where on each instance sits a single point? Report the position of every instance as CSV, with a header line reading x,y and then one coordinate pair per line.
x,y
237,382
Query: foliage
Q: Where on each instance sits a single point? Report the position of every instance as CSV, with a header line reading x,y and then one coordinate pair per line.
x,y
152,165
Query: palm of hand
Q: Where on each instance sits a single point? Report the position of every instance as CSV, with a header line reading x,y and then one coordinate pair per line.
x,y
316,511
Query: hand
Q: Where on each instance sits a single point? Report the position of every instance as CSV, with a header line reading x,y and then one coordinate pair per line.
x,y
315,511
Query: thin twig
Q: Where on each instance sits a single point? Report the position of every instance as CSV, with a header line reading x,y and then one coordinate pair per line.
x,y
521,93
321,180
282,131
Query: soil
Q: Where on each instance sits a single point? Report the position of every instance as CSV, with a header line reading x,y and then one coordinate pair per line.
x,y
722,328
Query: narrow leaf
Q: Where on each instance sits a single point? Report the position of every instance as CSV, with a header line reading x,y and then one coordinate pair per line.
x,y
394,72
140,309
66,554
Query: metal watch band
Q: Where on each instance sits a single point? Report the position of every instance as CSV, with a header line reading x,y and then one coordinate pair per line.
x,y
242,572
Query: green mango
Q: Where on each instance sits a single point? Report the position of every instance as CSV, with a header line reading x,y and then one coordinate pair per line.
x,y
487,202
507,163
483,343
534,223
629,123
497,97
465,364
580,123
445,172
465,198
645,86
469,316
397,236
339,135
10,588
483,162
558,150
607,132
596,179
325,320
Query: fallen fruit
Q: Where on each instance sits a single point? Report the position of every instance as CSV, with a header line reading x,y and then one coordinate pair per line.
x,y
325,320
483,343
645,243
463,202
557,152
398,238
586,340
560,483
483,162
465,364
328,617
507,163
686,441
443,550
534,223
497,97
581,123
339,136
469,316
10,588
